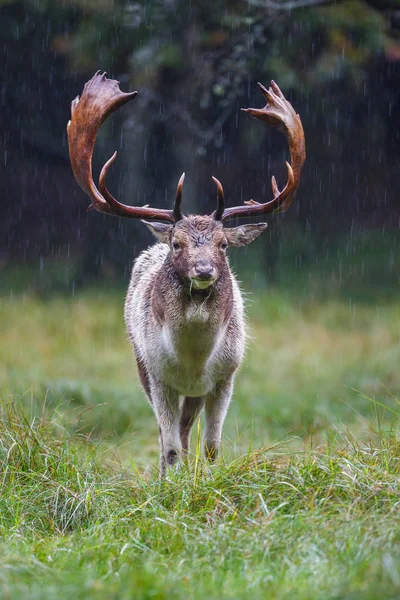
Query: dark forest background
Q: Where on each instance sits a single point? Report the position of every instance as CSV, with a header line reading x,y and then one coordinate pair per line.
x,y
195,64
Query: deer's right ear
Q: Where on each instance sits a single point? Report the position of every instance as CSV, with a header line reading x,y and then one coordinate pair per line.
x,y
161,231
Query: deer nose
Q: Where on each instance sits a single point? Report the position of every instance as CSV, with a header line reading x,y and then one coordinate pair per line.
x,y
204,270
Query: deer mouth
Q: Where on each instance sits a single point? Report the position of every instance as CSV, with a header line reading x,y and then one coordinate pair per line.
x,y
202,284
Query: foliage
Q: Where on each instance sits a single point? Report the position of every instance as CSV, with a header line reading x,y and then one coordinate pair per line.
x,y
303,501
194,68
75,353
320,523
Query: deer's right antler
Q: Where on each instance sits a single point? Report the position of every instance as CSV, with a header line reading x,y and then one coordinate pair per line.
x,y
100,98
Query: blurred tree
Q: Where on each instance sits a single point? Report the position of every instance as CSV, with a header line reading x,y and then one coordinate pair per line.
x,y
194,68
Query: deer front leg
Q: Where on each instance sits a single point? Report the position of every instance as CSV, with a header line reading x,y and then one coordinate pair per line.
x,y
166,407
216,407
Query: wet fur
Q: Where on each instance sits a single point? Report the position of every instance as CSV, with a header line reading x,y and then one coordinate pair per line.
x,y
188,343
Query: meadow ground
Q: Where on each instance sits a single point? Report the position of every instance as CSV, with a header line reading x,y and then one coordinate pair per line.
x,y
303,504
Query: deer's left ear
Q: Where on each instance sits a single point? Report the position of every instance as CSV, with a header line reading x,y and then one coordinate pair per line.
x,y
244,234
161,231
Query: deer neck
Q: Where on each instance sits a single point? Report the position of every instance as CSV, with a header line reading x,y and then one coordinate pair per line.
x,y
180,307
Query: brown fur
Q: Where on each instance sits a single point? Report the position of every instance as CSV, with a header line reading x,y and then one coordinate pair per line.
x,y
184,315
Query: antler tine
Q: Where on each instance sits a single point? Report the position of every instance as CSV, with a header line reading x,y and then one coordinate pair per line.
x,y
178,199
102,182
278,113
100,98
217,214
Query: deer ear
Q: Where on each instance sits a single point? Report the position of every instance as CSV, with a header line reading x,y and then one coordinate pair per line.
x,y
244,234
161,231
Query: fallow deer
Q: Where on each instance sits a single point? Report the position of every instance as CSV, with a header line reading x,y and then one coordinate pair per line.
x,y
184,310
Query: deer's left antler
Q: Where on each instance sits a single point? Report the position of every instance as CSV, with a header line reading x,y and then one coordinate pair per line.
x,y
278,113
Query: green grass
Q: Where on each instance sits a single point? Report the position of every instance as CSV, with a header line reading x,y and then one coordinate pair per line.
x,y
303,504
320,523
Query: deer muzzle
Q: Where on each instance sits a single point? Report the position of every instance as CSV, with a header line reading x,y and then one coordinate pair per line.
x,y
203,274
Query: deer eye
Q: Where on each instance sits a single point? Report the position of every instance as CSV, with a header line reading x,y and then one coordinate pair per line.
x,y
224,246
175,245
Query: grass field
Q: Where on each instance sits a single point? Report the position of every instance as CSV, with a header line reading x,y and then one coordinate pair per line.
x,y
303,504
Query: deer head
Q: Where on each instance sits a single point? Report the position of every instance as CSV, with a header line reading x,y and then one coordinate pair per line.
x,y
198,246
197,243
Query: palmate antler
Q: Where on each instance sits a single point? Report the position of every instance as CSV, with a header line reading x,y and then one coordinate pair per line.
x,y
278,113
102,96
